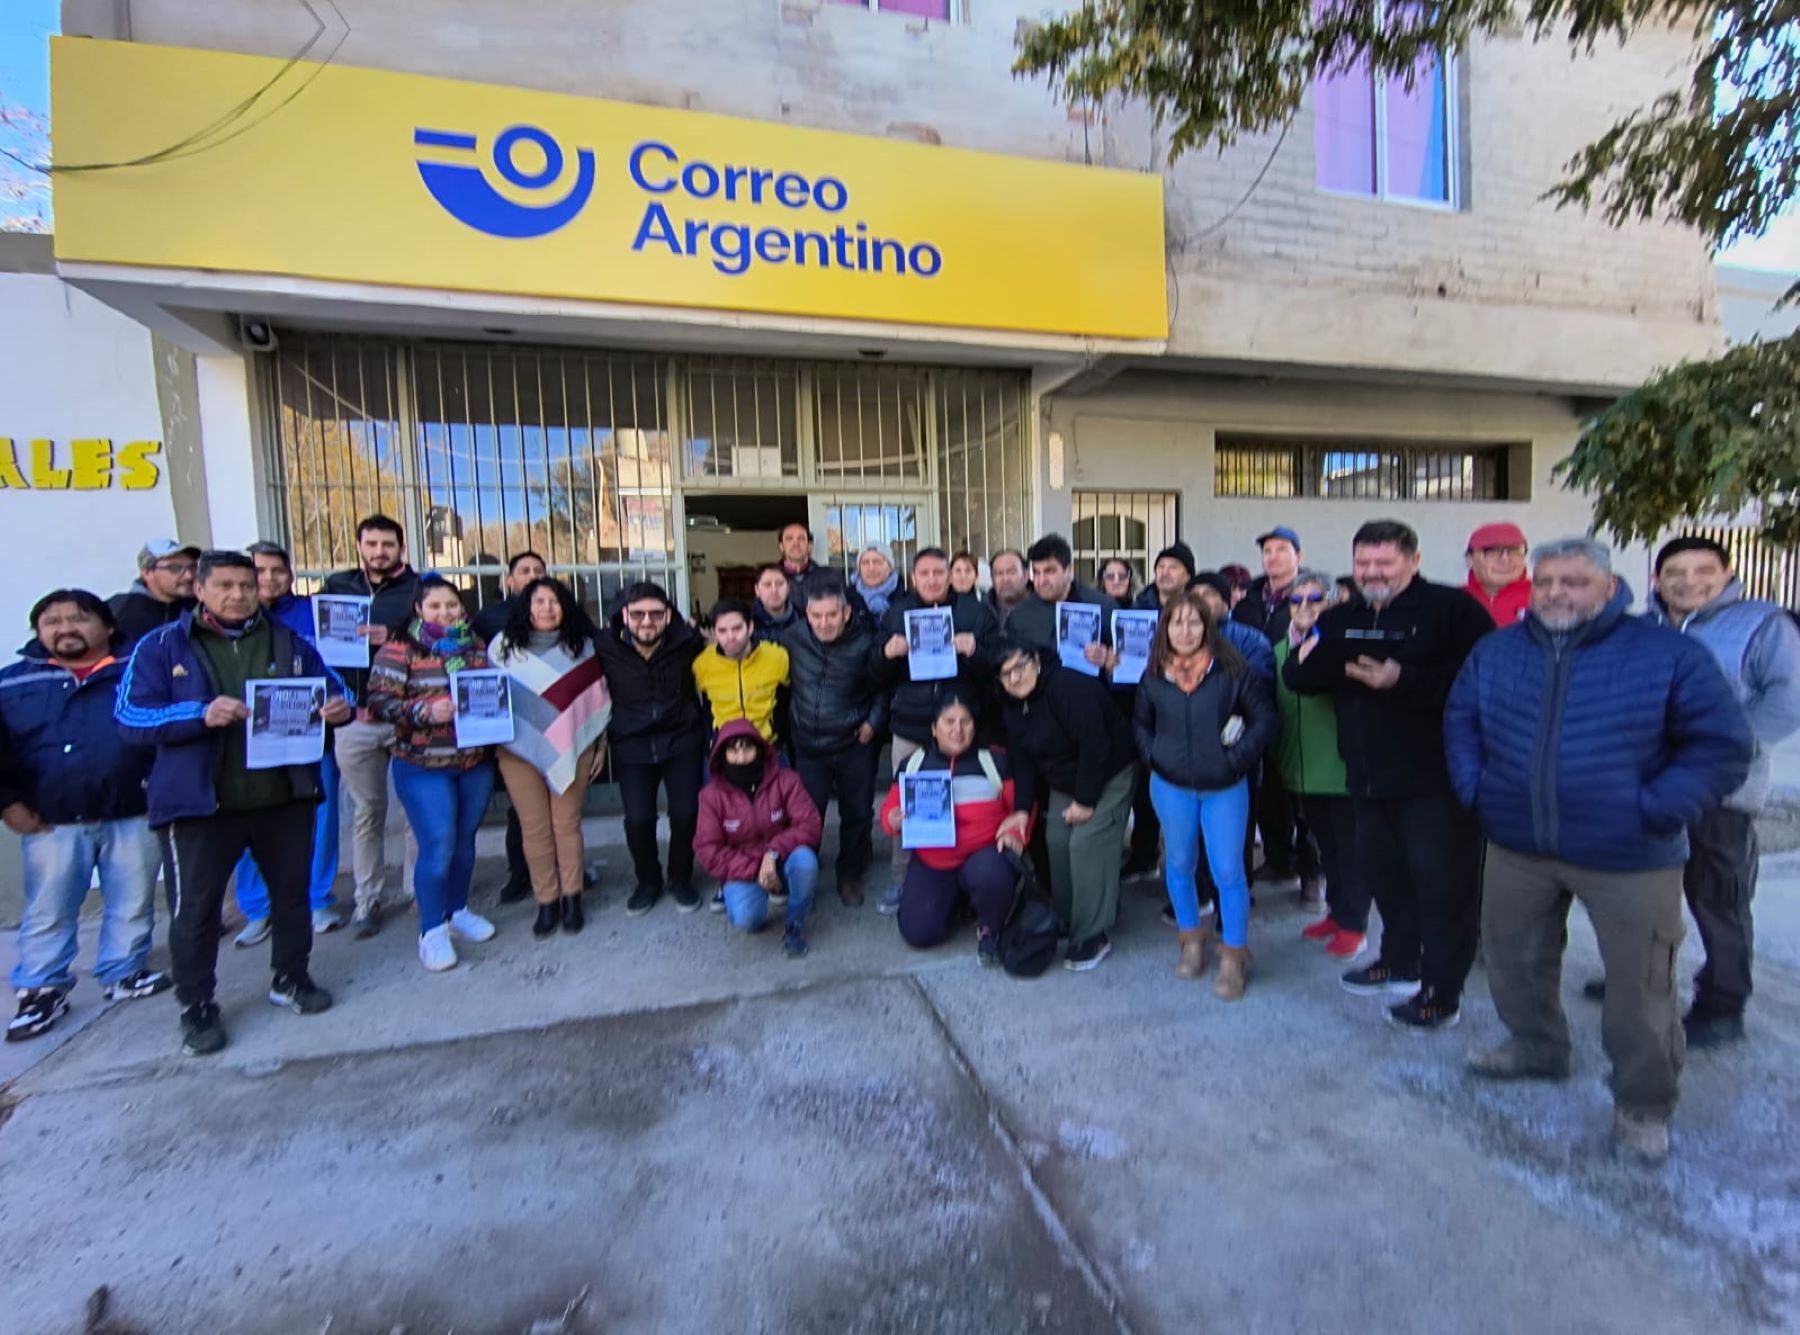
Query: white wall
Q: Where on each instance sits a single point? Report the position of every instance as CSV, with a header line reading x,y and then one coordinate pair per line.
x,y
72,369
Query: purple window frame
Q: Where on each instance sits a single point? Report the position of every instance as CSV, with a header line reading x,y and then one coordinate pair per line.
x,y
1376,139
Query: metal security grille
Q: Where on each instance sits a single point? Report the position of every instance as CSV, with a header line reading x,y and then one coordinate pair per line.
x,y
1359,470
483,451
1134,525
1767,569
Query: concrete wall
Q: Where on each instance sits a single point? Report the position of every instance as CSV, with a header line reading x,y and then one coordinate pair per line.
x,y
1506,287
1156,432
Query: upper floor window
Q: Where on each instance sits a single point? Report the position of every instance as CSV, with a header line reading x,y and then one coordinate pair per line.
x,y
923,9
1376,136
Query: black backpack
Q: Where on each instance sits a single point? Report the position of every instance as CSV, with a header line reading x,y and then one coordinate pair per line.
x,y
1028,940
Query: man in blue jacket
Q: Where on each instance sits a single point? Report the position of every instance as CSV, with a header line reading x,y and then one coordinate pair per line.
x,y
1588,742
76,799
184,693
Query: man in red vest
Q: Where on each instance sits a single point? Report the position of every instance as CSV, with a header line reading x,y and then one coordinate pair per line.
x,y
1497,578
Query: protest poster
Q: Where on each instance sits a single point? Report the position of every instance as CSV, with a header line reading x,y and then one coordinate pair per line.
x,y
930,644
340,629
286,724
483,699
928,816
1133,634
1077,626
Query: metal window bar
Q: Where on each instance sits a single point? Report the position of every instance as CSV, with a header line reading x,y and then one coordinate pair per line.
x,y
1360,470
1133,525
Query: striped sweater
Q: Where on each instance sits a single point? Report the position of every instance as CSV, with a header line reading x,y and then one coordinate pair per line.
x,y
404,679
560,705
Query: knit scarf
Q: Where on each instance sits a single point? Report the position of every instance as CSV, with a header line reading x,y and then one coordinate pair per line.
x,y
450,644
878,596
1187,671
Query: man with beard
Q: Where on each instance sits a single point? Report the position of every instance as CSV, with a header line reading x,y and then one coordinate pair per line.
x,y
1012,583
798,565
1590,743
164,589
1388,662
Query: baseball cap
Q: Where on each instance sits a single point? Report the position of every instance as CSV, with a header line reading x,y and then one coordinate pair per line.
x,y
1497,535
1283,532
161,549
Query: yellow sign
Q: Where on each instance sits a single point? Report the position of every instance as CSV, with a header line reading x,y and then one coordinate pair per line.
x,y
397,179
91,465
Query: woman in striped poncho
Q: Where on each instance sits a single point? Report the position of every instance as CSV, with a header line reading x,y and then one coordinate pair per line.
x,y
560,711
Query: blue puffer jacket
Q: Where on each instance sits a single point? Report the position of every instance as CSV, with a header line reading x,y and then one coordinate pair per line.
x,y
1601,753
63,758
162,702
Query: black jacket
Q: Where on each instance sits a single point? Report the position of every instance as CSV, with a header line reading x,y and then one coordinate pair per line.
x,y
136,613
797,589
1251,611
831,687
1067,736
1393,741
1179,735
391,605
656,709
1033,621
914,702
491,620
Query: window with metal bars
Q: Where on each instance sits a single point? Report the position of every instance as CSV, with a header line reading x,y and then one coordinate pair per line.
x,y
1133,525
1266,467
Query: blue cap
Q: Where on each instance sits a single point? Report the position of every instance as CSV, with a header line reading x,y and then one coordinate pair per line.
x,y
1283,532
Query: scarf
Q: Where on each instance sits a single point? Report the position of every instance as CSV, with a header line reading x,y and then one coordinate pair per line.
x,y
218,627
452,644
1187,672
878,596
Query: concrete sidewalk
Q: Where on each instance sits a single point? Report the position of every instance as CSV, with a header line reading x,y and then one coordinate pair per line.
x,y
660,1125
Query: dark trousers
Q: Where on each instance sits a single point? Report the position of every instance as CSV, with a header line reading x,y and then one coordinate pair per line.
x,y
1331,821
198,858
516,869
1419,856
1286,849
1719,882
1146,831
680,776
928,897
849,775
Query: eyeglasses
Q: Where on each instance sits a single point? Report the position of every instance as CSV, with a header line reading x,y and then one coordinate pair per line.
x,y
648,614
1297,598
178,567
1018,671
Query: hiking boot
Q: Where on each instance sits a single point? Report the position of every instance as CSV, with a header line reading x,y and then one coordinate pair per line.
x,y
1379,980
299,994
1086,955
574,914
39,1008
366,921
1426,1013
325,920
1511,1062
793,941
1641,1137
143,983
202,1033
1710,1029
1312,893
1322,930
685,897
437,952
889,904
1594,989
1193,955
470,926
1346,945
850,891
987,947
642,900
255,932
1234,971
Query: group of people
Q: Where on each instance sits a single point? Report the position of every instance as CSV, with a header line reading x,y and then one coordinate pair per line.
x,y
1467,759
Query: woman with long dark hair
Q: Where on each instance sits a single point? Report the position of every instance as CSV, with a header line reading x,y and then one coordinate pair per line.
x,y
560,711
444,787
1118,580
1203,720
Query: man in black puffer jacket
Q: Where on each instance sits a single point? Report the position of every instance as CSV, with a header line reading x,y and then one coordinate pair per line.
x,y
913,704
1389,662
835,718
657,738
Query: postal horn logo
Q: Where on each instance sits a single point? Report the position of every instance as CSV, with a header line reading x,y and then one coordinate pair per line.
x,y
467,196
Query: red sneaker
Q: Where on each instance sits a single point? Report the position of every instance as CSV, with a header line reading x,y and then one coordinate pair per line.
x,y
1346,945
1322,930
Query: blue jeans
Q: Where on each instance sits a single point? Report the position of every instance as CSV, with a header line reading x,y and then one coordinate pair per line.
x,y
253,891
747,903
445,807
1222,816
59,869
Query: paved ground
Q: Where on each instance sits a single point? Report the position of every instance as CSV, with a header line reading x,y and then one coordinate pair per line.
x,y
660,1126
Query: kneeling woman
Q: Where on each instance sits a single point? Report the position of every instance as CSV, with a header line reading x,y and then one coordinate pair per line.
x,y
981,793
1203,720
758,833
444,787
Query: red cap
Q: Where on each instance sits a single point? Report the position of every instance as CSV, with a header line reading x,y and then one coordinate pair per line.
x,y
1497,535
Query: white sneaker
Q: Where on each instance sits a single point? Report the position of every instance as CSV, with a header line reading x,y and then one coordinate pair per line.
x,y
255,932
436,952
471,926
326,920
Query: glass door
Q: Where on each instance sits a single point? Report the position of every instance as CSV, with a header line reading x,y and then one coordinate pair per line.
x,y
843,524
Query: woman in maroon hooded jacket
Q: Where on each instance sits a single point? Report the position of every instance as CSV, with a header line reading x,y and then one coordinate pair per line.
x,y
759,833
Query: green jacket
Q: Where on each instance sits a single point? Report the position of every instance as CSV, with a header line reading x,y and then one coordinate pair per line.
x,y
1306,749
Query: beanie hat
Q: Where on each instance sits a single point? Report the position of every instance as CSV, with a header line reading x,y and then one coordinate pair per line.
x,y
1181,552
1212,579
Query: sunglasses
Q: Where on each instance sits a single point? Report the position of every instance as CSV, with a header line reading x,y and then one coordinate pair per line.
x,y
1297,598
